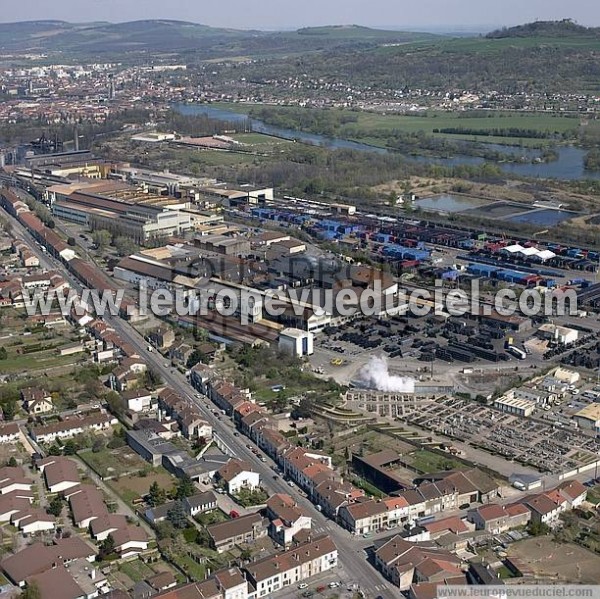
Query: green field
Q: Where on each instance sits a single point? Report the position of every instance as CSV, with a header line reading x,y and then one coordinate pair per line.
x,y
373,128
427,461
137,570
114,462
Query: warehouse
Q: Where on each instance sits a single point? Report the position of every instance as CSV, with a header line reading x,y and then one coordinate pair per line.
x,y
512,405
589,417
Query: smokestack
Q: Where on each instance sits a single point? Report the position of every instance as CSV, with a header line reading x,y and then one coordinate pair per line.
x,y
76,140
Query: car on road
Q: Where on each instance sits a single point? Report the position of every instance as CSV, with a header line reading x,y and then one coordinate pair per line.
x,y
334,585
248,446
275,477
302,585
308,593
366,535
236,434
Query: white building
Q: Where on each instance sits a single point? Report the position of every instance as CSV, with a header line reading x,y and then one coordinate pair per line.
x,y
513,405
238,475
297,342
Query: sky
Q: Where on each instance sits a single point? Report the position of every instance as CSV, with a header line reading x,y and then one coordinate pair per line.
x,y
285,14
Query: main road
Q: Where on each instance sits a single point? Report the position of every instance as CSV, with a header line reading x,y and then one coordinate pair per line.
x,y
352,555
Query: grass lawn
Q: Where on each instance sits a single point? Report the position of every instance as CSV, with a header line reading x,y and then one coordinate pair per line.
x,y
427,461
259,139
130,488
137,570
114,462
385,124
593,495
213,517
219,158
195,570
43,360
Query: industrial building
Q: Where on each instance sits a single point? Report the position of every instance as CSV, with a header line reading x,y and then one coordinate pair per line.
x,y
589,417
297,342
512,405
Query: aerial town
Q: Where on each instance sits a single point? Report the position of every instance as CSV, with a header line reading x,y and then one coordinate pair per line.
x,y
272,328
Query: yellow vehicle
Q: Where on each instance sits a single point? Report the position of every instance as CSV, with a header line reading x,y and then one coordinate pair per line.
x,y
337,362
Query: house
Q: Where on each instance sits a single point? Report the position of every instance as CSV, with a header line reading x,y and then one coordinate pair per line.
x,y
57,583
287,519
130,540
162,581
574,492
405,563
237,475
200,503
60,473
38,558
363,516
246,529
137,400
452,525
32,520
291,567
496,519
545,510
332,494
11,504
162,338
13,479
36,401
72,426
224,584
87,504
106,525
10,432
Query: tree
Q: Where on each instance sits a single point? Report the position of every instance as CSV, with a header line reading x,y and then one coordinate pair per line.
x,y
98,445
185,487
195,358
177,516
246,554
54,449
71,241
115,403
32,591
55,507
70,448
156,495
9,409
101,238
3,353
107,547
125,246
12,462
152,379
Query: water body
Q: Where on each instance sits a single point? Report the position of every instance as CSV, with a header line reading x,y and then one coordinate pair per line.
x,y
546,217
568,166
450,203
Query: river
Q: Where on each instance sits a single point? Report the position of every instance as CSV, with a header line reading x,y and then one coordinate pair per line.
x,y
568,166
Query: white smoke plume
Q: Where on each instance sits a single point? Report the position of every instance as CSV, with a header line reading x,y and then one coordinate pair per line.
x,y
376,375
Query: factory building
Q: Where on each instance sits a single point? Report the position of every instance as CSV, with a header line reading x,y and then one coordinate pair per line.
x,y
297,342
512,405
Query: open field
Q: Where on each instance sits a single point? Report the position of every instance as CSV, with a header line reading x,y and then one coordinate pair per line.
x,y
427,462
570,563
130,488
372,127
114,463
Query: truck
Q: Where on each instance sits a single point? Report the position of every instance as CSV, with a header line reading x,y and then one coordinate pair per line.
x,y
516,352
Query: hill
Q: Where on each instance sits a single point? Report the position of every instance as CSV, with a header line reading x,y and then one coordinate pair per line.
x,y
564,28
357,32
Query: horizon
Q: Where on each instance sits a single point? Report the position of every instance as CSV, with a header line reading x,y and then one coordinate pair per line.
x,y
273,15
474,29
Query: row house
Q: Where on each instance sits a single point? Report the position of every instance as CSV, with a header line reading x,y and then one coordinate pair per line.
x,y
496,519
13,480
287,569
188,416
287,519
404,563
72,426
331,495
